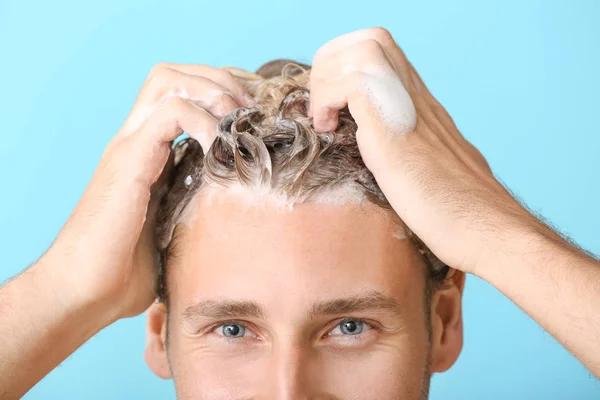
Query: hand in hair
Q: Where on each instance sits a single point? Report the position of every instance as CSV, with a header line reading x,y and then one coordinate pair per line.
x,y
444,190
102,266
115,217
408,141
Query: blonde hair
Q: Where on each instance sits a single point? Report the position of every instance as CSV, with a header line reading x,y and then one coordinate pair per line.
x,y
273,146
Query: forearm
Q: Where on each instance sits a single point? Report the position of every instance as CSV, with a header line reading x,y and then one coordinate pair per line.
x,y
557,284
42,321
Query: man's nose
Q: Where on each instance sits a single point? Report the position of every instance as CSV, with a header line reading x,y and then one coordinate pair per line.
x,y
288,374
295,370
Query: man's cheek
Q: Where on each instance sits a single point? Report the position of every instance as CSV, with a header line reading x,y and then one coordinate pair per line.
x,y
207,374
387,371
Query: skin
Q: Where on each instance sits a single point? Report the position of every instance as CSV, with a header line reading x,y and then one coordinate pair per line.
x,y
435,180
347,263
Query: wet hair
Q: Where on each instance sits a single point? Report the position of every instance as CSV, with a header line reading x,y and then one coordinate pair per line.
x,y
273,146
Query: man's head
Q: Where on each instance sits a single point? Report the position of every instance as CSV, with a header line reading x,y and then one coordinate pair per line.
x,y
285,273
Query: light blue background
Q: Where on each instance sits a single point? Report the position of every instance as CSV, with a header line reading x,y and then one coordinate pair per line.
x,y
519,77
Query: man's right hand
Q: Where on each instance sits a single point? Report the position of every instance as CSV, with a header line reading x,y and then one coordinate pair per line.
x,y
441,186
106,248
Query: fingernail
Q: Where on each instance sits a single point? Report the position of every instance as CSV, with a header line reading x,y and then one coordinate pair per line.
x,y
322,125
325,120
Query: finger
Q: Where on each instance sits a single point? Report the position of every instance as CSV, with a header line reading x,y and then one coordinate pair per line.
x,y
175,116
147,149
365,56
377,103
220,76
380,35
372,79
166,83
327,97
342,42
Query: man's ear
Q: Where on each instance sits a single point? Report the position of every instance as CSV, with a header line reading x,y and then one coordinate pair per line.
x,y
155,354
446,323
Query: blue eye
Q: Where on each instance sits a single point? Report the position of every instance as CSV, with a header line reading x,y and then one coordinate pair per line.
x,y
233,330
349,327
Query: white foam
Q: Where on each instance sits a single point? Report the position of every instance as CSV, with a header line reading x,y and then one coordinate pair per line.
x,y
400,233
391,100
388,95
339,194
262,197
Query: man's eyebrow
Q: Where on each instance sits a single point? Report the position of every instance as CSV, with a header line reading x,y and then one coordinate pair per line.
x,y
231,309
370,301
223,309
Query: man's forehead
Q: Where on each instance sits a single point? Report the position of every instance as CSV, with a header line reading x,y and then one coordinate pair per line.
x,y
231,248
332,209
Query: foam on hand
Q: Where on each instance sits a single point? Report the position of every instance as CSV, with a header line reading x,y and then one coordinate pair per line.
x,y
391,101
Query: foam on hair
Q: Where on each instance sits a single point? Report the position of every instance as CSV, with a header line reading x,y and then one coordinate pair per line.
x,y
272,151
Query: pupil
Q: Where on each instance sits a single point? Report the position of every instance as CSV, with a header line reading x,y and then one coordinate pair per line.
x,y
351,327
231,330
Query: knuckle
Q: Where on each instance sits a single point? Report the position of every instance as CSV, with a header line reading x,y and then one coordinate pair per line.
x,y
158,69
160,83
371,48
380,34
226,75
229,80
173,104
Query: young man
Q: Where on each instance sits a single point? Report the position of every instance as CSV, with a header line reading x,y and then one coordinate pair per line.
x,y
269,289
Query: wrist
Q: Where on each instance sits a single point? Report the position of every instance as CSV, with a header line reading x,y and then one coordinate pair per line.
x,y
58,274
525,242
43,321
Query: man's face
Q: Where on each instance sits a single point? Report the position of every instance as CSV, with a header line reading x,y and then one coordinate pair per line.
x,y
324,301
